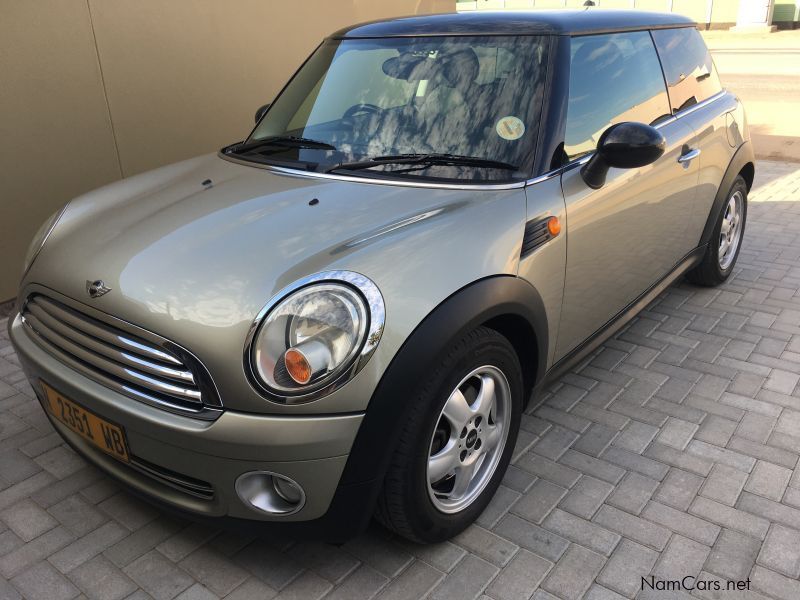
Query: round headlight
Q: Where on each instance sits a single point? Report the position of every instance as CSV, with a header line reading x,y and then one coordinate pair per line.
x,y
315,335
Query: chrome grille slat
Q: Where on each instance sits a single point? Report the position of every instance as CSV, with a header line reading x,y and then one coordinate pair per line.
x,y
101,364
107,381
99,330
100,347
125,362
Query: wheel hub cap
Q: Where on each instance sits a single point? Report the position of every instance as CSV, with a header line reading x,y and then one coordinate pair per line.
x,y
473,435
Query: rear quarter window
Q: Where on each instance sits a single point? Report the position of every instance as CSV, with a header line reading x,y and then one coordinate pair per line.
x,y
688,68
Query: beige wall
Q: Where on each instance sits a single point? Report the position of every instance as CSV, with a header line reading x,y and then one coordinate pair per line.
x,y
95,90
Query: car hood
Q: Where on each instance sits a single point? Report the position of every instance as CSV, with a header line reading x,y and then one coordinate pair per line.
x,y
193,251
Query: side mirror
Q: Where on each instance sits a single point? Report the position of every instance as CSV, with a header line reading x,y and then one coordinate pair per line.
x,y
260,112
623,146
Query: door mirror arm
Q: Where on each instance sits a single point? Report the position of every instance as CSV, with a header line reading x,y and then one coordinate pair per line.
x,y
626,145
594,171
260,112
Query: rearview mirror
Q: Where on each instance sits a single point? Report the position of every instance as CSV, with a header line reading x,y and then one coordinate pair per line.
x,y
623,146
260,112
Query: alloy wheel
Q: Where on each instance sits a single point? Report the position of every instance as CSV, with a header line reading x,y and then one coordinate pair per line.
x,y
469,439
730,234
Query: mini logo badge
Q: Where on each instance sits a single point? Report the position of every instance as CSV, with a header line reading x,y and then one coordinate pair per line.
x,y
97,288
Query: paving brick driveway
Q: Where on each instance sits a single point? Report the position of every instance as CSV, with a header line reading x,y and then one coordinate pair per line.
x,y
672,452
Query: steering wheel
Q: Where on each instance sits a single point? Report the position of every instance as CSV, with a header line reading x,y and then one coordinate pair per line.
x,y
358,108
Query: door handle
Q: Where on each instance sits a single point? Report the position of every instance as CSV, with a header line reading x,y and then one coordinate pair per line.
x,y
689,156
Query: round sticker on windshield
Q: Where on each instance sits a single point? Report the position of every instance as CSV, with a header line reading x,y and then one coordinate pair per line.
x,y
510,128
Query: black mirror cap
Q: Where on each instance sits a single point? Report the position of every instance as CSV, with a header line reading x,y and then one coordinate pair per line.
x,y
260,112
630,145
626,145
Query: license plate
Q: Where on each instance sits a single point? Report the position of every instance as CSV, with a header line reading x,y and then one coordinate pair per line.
x,y
108,437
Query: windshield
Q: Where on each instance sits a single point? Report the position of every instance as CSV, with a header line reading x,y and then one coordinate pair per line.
x,y
454,108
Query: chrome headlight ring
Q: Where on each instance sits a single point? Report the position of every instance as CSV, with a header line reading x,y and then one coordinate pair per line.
x,y
347,296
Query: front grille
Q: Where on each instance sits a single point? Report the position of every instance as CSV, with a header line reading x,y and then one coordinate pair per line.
x,y
155,373
178,481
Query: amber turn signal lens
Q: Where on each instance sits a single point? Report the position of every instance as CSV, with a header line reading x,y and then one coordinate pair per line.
x,y
297,366
553,226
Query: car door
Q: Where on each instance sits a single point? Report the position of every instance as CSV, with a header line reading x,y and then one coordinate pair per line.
x,y
627,235
697,100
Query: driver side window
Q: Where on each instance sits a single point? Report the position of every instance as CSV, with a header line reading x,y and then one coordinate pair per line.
x,y
613,78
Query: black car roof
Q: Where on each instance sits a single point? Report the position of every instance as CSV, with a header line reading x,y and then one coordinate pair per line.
x,y
533,22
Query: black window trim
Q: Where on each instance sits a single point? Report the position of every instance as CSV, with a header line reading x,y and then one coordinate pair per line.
x,y
649,30
585,158
556,171
663,73
539,156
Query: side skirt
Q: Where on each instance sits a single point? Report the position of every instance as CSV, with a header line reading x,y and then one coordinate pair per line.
x,y
618,321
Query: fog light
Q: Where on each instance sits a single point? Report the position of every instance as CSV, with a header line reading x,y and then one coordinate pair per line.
x,y
271,493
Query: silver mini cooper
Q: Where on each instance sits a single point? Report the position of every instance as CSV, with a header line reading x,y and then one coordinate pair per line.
x,y
345,314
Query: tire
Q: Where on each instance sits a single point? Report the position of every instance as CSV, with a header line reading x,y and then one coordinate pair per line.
x,y
423,512
716,267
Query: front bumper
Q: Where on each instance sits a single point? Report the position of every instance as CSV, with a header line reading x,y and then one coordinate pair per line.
x,y
175,455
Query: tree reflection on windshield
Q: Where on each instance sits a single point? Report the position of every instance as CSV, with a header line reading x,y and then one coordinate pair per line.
x,y
476,96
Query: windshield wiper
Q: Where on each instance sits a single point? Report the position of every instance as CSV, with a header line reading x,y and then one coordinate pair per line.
x,y
284,141
424,159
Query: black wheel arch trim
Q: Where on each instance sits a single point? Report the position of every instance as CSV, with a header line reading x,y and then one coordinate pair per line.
x,y
742,157
481,302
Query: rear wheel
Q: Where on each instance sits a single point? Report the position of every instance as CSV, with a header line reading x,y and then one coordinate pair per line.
x,y
457,441
726,239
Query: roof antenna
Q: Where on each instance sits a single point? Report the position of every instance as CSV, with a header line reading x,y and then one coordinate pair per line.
x,y
588,3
